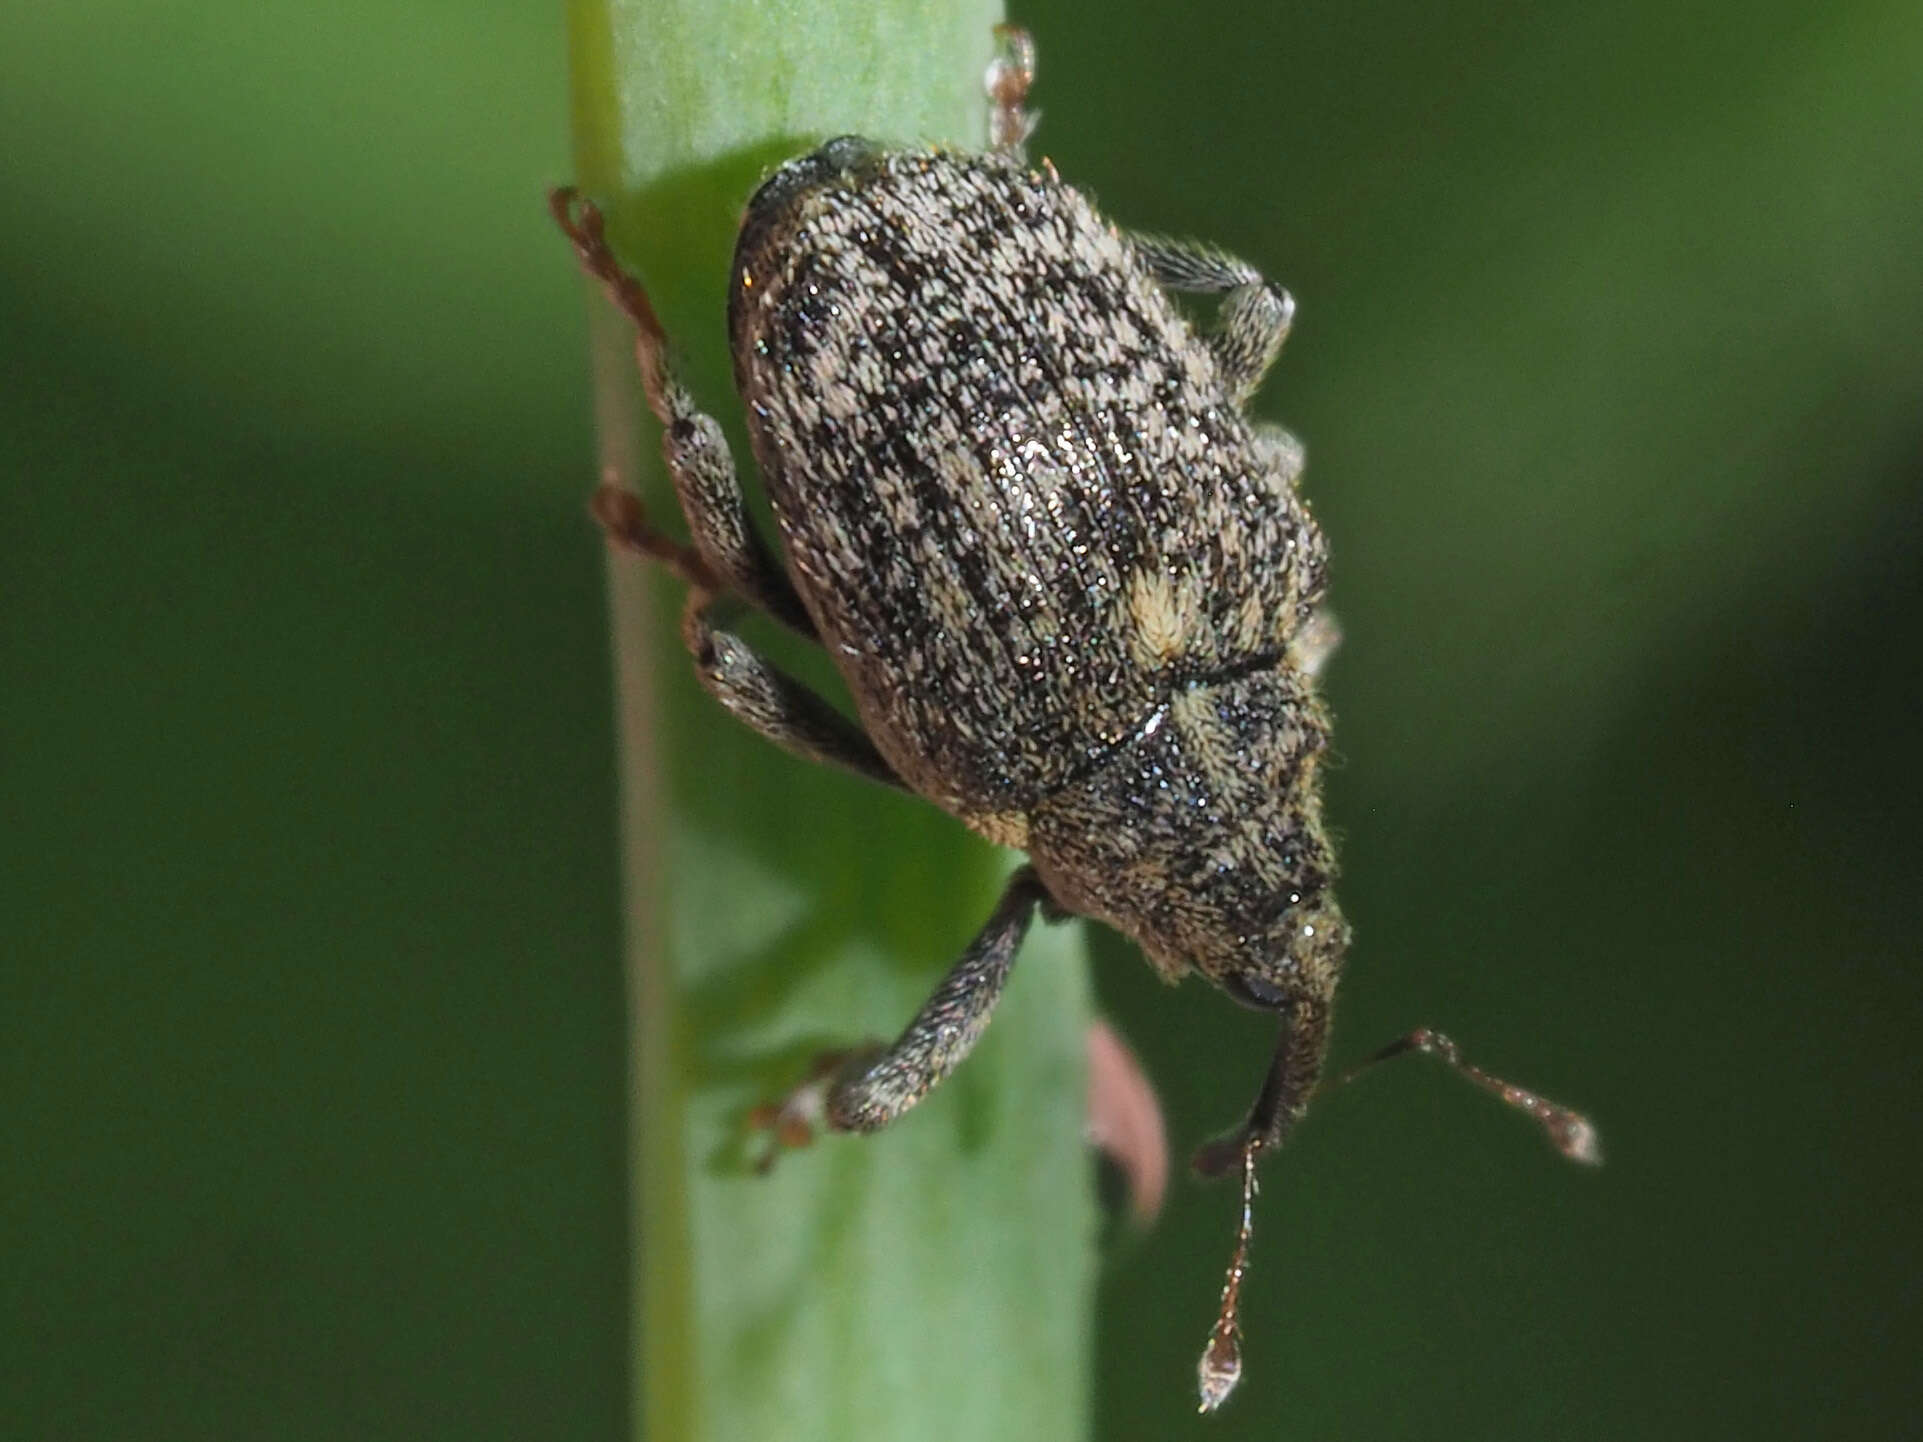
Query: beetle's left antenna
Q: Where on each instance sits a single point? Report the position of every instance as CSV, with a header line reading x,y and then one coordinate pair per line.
x,y
1221,1365
1286,1089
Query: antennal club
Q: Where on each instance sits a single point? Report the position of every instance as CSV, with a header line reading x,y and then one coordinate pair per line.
x,y
1221,1365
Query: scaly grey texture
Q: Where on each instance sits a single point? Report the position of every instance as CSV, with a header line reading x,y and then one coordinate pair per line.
x,y
1071,587
1060,570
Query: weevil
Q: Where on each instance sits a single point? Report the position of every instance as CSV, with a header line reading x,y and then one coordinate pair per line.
x,y
1071,584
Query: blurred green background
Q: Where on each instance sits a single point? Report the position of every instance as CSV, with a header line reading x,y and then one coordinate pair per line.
x,y
1610,365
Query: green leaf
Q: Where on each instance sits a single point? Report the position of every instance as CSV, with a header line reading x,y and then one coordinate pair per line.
x,y
936,1280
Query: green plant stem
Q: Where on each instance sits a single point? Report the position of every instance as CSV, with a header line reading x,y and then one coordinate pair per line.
x,y
936,1280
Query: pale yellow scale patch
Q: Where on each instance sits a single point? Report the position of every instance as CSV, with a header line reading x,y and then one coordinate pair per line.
x,y
1004,828
1165,615
1205,738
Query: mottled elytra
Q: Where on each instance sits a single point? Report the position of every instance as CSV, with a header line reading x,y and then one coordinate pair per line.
x,y
1071,585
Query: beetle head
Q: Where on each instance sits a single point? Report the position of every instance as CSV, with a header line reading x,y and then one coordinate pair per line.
x,y
1296,959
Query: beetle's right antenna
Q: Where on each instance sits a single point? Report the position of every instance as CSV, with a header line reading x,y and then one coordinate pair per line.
x,y
1010,74
1570,1132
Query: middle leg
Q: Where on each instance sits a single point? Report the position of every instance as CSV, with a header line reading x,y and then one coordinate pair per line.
x,y
1255,314
770,702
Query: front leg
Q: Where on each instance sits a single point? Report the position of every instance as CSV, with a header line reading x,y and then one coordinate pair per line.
x,y
1255,314
728,552
864,1090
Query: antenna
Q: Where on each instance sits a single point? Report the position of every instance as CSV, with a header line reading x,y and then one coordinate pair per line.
x,y
1569,1131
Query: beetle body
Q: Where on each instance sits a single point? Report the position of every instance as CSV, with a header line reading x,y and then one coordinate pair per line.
x,y
1071,586
1061,572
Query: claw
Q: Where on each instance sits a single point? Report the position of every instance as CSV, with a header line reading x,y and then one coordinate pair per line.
x,y
786,1132
792,1122
582,223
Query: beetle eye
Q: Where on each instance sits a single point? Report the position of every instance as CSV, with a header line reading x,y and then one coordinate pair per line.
x,y
1252,991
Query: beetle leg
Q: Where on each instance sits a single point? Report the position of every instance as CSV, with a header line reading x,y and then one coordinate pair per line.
x,y
1010,74
772,703
728,551
1255,314
1286,1089
1316,642
1279,450
864,1090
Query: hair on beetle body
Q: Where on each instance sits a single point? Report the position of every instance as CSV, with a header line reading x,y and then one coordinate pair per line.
x,y
1072,586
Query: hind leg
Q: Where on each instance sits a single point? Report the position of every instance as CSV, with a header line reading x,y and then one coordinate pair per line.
x,y
1255,314
865,1089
